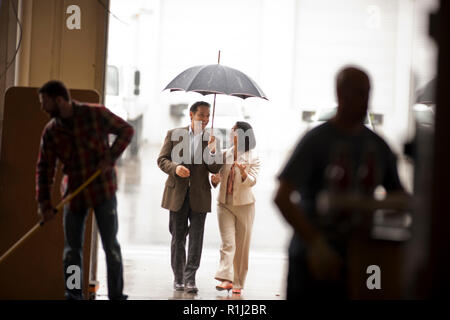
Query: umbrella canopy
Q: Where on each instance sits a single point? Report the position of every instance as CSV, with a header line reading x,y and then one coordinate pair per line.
x,y
216,79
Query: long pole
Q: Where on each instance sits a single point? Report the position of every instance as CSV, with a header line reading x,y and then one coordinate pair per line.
x,y
214,104
40,224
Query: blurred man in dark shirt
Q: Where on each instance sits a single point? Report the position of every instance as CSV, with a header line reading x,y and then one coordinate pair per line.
x,y
316,253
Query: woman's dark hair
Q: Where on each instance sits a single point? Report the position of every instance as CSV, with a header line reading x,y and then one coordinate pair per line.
x,y
245,130
55,88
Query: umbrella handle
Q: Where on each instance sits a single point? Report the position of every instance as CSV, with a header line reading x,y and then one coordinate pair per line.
x,y
214,110
214,104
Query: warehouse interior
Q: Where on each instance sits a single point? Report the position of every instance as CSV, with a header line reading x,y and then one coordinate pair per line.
x,y
86,44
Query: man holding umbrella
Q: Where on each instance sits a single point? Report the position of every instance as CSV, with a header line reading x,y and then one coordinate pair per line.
x,y
188,155
187,193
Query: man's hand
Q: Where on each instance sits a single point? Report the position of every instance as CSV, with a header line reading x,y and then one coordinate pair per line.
x,y
182,171
323,262
215,179
46,215
242,170
212,144
104,165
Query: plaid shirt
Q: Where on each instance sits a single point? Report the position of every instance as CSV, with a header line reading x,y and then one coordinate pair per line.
x,y
80,144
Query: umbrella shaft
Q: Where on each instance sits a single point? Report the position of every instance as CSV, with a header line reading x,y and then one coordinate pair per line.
x,y
214,110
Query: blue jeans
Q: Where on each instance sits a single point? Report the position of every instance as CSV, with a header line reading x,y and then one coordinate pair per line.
x,y
74,226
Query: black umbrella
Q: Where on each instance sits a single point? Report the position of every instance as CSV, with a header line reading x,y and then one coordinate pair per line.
x,y
216,79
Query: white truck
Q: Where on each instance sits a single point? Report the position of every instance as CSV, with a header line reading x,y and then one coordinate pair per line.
x,y
128,69
124,99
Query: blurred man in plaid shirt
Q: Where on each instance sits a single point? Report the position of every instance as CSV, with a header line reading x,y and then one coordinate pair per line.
x,y
77,136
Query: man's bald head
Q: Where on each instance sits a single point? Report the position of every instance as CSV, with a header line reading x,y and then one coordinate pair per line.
x,y
352,88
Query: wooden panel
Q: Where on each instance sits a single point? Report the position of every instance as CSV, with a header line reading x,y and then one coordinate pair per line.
x,y
34,271
388,256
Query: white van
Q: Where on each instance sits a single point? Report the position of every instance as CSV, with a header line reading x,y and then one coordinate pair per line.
x,y
123,98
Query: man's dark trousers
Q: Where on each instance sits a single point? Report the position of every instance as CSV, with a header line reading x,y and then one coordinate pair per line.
x,y
74,227
184,271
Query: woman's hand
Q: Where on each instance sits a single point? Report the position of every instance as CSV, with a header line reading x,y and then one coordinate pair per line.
x,y
215,179
212,144
242,170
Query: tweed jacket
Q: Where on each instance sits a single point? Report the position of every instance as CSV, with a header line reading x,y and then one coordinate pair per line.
x,y
175,188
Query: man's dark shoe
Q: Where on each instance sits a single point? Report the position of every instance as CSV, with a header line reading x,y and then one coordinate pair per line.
x,y
74,296
190,288
178,286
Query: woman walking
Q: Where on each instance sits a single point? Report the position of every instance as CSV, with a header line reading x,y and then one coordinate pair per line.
x,y
236,207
